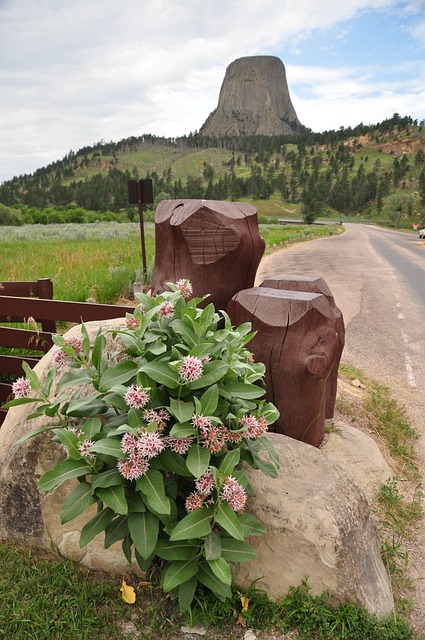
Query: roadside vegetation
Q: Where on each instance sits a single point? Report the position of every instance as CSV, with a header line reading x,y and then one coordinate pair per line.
x,y
46,597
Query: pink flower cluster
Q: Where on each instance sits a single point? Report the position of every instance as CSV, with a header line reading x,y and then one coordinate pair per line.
x,y
21,388
84,448
179,445
136,397
132,322
139,449
204,486
76,343
255,427
185,287
160,417
234,494
190,368
213,437
166,309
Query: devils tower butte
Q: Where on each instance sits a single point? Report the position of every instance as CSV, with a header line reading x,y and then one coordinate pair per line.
x,y
254,100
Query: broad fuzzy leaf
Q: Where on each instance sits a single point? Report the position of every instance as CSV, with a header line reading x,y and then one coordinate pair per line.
x,y
209,400
144,529
236,551
152,486
76,502
175,550
251,525
212,547
186,593
95,525
114,497
198,459
118,374
210,580
108,447
161,373
229,462
221,569
228,519
116,530
64,470
178,572
213,372
195,525
182,411
109,478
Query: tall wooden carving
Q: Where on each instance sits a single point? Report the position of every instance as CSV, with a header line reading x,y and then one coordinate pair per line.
x,y
315,284
215,244
297,341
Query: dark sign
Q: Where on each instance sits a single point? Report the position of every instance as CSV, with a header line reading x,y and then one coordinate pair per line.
x,y
140,191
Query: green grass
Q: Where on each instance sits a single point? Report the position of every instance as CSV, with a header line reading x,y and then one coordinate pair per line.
x,y
100,260
48,598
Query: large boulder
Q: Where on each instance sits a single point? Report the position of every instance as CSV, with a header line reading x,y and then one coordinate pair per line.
x,y
316,514
318,525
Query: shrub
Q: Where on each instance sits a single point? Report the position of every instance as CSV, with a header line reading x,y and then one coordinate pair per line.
x,y
158,445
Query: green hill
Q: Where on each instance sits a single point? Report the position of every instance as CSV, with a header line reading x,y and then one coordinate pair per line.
x,y
370,171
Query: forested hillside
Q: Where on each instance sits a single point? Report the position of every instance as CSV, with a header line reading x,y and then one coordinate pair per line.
x,y
373,171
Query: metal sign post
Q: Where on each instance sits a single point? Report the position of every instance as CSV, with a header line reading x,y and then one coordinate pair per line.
x,y
141,192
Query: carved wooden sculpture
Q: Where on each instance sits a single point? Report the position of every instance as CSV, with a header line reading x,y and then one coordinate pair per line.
x,y
215,244
315,284
297,341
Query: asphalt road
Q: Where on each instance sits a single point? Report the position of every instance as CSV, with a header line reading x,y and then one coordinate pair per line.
x,y
377,277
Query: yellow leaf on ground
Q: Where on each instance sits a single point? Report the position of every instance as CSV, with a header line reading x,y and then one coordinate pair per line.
x,y
128,593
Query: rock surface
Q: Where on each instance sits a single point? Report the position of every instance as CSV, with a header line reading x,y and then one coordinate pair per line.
x,y
254,100
316,514
318,525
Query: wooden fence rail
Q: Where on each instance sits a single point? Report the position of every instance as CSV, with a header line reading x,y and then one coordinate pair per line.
x,y
47,312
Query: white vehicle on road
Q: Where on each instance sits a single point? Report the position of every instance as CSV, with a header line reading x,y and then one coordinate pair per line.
x,y
422,234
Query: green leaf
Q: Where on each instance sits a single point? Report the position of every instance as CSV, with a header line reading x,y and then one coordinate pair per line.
x,y
31,376
198,459
116,530
266,467
76,502
228,519
108,447
98,349
185,331
186,593
213,372
70,441
182,550
195,525
183,430
178,572
182,411
236,551
229,462
64,470
175,463
126,546
221,569
109,478
212,547
243,390
209,400
210,580
270,450
144,529
91,427
152,485
74,378
118,374
114,497
95,525
135,501
31,434
251,525
161,373
85,407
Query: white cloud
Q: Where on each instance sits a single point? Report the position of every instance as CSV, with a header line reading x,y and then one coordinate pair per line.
x,y
73,72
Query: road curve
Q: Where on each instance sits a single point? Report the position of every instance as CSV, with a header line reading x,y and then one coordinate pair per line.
x,y
377,277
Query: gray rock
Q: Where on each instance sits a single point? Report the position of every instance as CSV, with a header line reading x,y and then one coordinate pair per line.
x,y
319,525
254,100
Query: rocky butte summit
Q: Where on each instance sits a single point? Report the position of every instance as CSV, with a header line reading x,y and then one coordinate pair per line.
x,y
254,100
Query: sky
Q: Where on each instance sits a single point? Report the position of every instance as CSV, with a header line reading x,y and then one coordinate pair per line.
x,y
75,72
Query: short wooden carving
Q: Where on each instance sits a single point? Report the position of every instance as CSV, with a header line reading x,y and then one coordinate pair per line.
x,y
297,341
315,284
215,244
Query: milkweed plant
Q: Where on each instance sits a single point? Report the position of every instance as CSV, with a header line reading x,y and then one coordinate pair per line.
x,y
157,433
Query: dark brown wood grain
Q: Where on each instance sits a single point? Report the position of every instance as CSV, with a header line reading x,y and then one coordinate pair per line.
x,y
297,342
215,244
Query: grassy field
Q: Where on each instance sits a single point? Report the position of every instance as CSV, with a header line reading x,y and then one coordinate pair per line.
x,y
101,260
